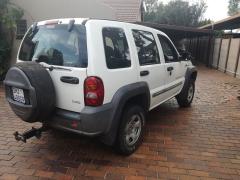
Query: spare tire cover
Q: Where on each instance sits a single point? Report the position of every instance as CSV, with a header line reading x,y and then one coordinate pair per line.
x,y
33,82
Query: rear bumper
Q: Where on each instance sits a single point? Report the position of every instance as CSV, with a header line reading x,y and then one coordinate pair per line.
x,y
92,121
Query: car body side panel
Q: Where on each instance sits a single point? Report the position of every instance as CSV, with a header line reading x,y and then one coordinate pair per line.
x,y
113,79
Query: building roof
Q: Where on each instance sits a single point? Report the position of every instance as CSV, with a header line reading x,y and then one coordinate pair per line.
x,y
178,31
126,10
229,23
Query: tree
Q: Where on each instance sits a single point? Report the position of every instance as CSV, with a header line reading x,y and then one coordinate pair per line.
x,y
205,22
233,7
150,5
9,14
176,12
150,9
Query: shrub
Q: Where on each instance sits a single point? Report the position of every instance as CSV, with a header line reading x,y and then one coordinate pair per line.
x,y
5,51
9,15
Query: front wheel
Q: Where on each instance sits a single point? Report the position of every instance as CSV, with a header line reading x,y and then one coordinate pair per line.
x,y
185,98
130,132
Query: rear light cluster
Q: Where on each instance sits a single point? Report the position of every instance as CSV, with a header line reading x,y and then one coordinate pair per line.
x,y
93,91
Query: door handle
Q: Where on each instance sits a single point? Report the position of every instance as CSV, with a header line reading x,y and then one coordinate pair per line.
x,y
69,79
144,73
170,68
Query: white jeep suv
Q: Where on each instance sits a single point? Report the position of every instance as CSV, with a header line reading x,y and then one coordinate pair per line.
x,y
97,78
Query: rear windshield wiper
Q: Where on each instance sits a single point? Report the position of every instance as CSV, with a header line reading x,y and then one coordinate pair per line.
x,y
51,68
70,25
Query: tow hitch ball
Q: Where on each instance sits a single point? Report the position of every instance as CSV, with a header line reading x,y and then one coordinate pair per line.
x,y
34,132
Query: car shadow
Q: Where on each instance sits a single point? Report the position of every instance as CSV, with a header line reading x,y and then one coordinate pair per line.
x,y
72,144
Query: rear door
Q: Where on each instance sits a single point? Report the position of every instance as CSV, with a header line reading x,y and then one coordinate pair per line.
x,y
174,68
64,50
151,70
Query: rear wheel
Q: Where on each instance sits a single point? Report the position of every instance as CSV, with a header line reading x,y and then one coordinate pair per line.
x,y
130,133
185,98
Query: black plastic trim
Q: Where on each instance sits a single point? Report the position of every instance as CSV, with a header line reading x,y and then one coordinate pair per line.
x,y
167,89
104,120
69,79
119,101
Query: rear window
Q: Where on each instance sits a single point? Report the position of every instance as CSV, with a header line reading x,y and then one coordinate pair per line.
x,y
116,48
146,47
56,45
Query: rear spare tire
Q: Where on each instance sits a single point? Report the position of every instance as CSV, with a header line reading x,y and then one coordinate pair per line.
x,y
30,91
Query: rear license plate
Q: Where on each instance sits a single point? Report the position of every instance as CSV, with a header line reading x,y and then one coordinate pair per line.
x,y
18,95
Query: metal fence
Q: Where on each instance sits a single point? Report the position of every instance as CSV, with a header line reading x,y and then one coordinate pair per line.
x,y
200,48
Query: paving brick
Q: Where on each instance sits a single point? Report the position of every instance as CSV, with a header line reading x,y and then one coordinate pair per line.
x,y
6,163
114,176
9,177
6,169
158,168
44,174
136,178
177,171
28,178
200,142
235,161
26,172
124,171
95,173
188,177
147,173
198,173
61,176
5,157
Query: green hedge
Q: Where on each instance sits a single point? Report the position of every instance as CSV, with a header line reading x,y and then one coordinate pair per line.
x,y
9,15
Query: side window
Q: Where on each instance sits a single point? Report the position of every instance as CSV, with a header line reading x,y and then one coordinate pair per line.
x,y
169,51
116,48
146,47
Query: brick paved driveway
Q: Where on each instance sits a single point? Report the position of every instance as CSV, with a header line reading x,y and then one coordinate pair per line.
x,y
202,142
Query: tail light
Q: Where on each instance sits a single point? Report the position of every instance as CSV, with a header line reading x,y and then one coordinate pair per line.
x,y
93,91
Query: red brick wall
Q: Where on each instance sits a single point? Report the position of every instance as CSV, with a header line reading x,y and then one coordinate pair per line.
x,y
126,10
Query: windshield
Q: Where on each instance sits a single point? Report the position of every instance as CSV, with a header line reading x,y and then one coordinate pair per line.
x,y
56,45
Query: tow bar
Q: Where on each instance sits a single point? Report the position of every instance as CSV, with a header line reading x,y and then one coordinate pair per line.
x,y
34,132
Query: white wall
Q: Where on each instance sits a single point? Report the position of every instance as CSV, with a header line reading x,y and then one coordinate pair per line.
x,y
238,70
223,55
216,52
37,10
233,58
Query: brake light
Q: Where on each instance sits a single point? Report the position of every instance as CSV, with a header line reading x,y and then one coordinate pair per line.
x,y
51,22
93,91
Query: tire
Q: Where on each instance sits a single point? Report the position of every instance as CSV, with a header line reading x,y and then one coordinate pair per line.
x,y
38,88
186,96
133,118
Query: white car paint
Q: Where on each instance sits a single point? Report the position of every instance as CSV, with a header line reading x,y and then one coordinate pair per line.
x,y
71,97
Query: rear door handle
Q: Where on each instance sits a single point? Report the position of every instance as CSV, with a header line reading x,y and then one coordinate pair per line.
x,y
69,79
170,68
144,73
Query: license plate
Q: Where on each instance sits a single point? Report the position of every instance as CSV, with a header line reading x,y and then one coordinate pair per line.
x,y
18,95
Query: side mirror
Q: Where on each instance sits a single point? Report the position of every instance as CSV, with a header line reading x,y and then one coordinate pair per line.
x,y
184,55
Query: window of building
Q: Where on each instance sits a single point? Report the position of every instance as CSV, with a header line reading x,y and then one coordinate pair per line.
x,y
21,28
